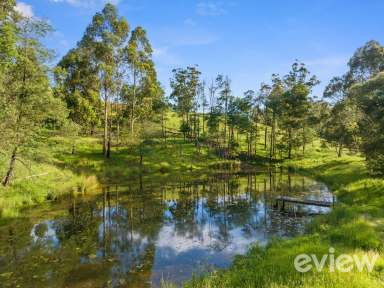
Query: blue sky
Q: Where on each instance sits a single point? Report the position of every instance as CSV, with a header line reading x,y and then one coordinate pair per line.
x,y
244,39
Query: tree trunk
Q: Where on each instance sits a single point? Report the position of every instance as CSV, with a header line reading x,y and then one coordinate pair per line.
x,y
11,167
118,133
340,150
133,106
289,144
194,126
272,148
304,140
163,129
256,138
225,119
109,138
274,136
203,128
105,139
265,137
250,143
109,148
132,125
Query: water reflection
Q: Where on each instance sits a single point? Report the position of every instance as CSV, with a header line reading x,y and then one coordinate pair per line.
x,y
135,236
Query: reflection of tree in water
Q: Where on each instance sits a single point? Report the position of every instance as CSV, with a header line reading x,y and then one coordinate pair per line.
x,y
115,239
221,203
183,211
128,232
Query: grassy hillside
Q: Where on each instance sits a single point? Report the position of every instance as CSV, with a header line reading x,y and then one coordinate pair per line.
x,y
51,170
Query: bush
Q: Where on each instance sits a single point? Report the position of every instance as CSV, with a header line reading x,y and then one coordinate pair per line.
x,y
358,234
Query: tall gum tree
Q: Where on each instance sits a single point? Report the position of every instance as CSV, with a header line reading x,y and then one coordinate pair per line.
x,y
142,92
104,39
295,103
185,87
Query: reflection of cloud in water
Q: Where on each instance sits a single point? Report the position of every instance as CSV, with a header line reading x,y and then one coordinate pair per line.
x,y
45,233
208,237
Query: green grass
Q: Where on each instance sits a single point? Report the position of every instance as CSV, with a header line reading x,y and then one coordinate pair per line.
x,y
56,171
38,177
355,226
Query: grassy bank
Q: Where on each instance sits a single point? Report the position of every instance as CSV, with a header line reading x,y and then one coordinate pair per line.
x,y
51,170
355,226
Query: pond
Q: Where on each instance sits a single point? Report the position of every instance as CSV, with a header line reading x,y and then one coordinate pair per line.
x,y
140,234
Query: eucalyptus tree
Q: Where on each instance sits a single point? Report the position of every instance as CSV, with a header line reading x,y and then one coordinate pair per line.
x,y
213,87
250,100
77,82
239,118
104,38
273,104
213,123
224,84
341,127
140,94
27,104
369,97
365,63
261,111
203,103
185,86
258,102
295,104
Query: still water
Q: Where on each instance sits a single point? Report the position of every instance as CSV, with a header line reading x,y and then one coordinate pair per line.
x,y
140,234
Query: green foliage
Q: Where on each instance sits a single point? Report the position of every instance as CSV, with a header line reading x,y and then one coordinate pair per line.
x,y
185,83
341,127
367,61
8,31
78,84
369,97
27,106
144,92
213,122
356,117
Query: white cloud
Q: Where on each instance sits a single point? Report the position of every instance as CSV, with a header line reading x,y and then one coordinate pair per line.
x,y
164,56
24,9
186,36
85,3
190,22
210,8
328,61
214,8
